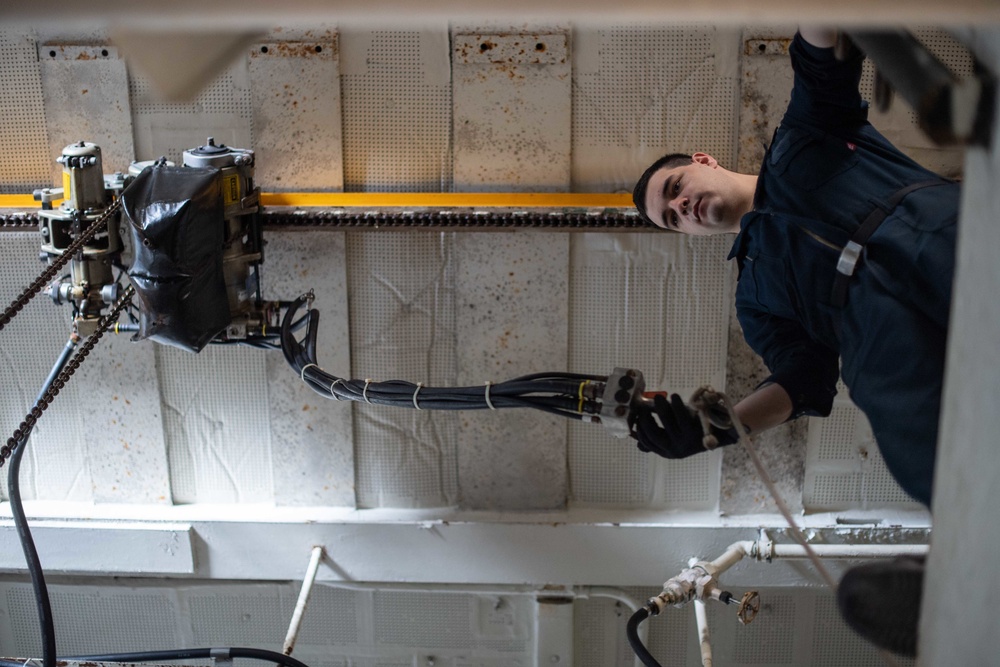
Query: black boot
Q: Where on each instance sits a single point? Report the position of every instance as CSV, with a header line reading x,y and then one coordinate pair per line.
x,y
881,602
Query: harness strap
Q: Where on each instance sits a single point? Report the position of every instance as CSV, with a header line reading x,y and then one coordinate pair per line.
x,y
850,255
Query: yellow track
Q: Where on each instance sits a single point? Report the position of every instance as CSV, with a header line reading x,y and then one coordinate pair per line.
x,y
405,200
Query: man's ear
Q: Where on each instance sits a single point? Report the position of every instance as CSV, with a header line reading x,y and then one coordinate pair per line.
x,y
705,159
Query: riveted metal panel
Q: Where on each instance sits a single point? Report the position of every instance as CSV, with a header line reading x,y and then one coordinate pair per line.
x,y
512,112
517,49
295,88
85,88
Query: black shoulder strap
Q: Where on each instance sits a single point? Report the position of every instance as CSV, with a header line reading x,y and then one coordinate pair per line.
x,y
851,253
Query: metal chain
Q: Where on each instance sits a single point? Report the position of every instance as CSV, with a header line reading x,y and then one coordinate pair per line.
x,y
597,220
22,300
43,403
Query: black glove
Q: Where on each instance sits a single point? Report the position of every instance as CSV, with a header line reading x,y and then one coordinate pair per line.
x,y
680,435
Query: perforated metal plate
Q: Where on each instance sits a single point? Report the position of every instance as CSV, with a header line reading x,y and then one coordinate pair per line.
x,y
844,468
222,110
402,323
397,111
641,92
658,303
54,466
23,143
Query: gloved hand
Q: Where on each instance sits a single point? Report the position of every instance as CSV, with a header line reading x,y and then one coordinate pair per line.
x,y
680,435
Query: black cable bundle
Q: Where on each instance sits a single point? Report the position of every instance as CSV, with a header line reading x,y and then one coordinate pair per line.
x,y
632,633
569,395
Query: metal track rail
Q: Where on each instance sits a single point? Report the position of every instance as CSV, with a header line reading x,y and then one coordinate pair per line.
x,y
404,211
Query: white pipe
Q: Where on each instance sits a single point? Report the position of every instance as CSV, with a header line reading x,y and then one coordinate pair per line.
x,y
845,551
704,640
300,605
734,553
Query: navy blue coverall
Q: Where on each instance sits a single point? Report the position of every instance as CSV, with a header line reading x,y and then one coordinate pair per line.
x,y
827,169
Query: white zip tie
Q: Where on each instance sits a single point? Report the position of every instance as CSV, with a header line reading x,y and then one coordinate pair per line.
x,y
333,386
302,373
364,392
488,401
415,392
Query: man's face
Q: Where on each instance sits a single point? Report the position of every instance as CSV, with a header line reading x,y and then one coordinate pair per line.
x,y
699,198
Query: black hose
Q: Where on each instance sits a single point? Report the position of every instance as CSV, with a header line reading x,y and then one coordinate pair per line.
x,y
632,632
194,654
21,521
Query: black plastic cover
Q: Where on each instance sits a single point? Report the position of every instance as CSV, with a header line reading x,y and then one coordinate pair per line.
x,y
175,215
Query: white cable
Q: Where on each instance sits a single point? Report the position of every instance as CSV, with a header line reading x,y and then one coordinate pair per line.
x,y
772,489
364,392
488,401
415,392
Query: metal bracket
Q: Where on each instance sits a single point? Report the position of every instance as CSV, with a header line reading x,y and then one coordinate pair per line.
x,y
949,110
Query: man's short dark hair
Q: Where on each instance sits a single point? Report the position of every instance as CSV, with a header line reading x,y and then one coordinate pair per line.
x,y
639,192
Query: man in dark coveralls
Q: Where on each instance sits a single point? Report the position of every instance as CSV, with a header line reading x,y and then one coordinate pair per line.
x,y
846,251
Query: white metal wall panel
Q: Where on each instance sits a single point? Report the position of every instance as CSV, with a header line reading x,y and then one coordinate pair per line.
x,y
216,425
396,88
23,142
85,88
54,466
122,428
92,619
402,319
295,91
512,111
511,320
222,110
658,303
313,443
512,121
844,468
642,92
795,627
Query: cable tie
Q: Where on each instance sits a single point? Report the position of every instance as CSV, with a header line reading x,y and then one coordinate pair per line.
x,y
302,374
332,386
220,653
579,407
415,392
364,392
488,401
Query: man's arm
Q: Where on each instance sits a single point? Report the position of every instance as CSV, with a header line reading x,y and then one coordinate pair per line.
x,y
822,38
768,406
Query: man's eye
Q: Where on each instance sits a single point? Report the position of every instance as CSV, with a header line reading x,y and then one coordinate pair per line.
x,y
677,186
673,220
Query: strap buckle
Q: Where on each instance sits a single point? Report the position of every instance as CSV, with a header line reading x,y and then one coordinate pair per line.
x,y
849,257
